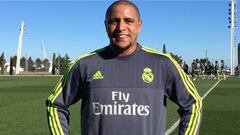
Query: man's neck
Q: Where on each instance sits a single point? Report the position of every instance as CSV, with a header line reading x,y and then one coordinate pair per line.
x,y
123,52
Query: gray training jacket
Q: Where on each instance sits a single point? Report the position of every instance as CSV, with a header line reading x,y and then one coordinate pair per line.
x,y
124,95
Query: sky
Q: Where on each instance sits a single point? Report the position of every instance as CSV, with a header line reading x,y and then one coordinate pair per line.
x,y
188,28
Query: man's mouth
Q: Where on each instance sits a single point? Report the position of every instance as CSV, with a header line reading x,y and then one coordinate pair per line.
x,y
120,36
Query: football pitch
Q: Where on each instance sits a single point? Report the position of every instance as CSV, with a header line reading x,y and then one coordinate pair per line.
x,y
23,111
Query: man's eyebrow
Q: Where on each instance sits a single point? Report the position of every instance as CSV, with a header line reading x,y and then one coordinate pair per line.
x,y
114,18
117,18
129,18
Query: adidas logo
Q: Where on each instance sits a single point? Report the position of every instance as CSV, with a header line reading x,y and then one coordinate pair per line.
x,y
98,75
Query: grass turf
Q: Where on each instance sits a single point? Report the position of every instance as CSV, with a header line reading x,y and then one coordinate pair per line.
x,y
221,114
202,86
23,111
22,105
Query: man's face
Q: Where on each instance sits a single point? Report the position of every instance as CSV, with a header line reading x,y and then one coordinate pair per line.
x,y
123,26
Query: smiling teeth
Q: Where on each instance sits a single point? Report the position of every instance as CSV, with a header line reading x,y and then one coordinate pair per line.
x,y
122,36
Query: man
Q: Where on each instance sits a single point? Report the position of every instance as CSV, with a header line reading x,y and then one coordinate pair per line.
x,y
238,70
185,67
194,67
209,69
123,87
222,69
216,70
222,65
202,69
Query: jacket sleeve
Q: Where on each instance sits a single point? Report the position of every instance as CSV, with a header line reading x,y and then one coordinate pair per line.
x,y
181,90
66,93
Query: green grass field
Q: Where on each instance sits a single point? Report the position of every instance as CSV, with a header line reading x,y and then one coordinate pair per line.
x,y
23,111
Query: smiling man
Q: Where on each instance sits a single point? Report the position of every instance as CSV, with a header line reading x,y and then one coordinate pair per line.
x,y
124,86
123,24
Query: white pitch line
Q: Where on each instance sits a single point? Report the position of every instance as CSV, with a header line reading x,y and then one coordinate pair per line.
x,y
212,88
172,128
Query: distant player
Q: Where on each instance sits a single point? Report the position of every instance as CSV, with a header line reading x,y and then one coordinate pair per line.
x,y
197,70
202,70
222,70
238,69
185,67
193,66
209,69
216,70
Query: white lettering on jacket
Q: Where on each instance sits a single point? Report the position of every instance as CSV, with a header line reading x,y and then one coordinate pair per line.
x,y
115,108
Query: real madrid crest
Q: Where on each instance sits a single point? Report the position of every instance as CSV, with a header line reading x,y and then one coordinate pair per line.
x,y
147,75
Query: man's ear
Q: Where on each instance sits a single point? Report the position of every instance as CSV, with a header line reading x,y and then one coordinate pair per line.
x,y
106,26
139,25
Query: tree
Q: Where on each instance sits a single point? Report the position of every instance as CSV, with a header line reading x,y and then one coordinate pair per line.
x,y
164,49
14,60
238,53
23,62
176,57
58,59
53,64
2,59
64,64
26,65
38,63
46,64
2,63
11,66
30,64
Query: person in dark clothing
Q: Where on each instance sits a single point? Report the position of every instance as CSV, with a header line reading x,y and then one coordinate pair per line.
x,y
123,86
209,70
185,67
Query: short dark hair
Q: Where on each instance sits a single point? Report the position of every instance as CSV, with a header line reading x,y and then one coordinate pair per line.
x,y
122,2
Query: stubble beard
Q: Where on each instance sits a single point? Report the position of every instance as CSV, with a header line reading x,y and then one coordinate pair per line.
x,y
118,49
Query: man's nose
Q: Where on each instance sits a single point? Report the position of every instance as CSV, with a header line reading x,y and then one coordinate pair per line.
x,y
121,26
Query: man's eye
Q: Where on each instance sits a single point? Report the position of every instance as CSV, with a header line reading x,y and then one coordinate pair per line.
x,y
112,22
129,21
